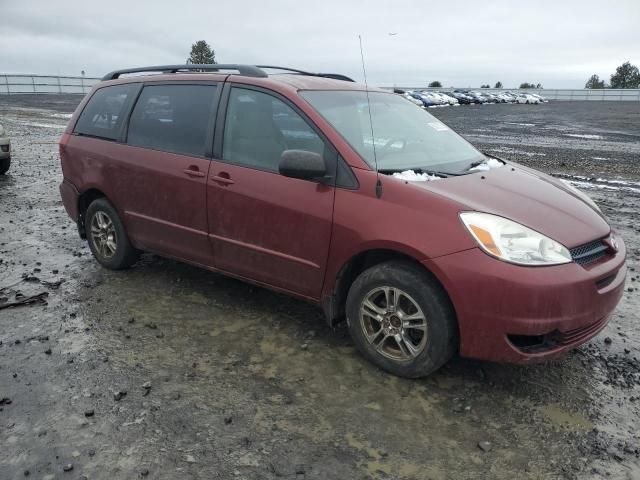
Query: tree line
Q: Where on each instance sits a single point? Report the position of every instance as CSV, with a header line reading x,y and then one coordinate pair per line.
x,y
437,84
625,76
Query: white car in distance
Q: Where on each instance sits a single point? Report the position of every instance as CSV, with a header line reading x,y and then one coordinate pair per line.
x,y
527,98
448,98
539,97
434,98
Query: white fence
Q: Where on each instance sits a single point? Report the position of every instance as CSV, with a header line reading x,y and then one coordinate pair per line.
x,y
616,94
29,84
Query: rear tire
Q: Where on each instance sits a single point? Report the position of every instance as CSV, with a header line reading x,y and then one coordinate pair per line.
x,y
107,236
5,163
401,319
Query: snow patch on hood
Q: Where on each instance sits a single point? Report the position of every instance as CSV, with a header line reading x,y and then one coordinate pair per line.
x,y
411,176
489,164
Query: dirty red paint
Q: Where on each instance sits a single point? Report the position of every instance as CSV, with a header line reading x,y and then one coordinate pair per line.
x,y
297,236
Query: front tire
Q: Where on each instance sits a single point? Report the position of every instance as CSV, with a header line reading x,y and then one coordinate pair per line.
x,y
5,163
107,236
401,319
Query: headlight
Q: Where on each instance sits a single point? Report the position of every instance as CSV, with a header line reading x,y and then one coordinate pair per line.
x,y
512,242
583,196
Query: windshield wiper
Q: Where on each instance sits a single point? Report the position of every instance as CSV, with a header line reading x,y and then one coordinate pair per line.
x,y
477,163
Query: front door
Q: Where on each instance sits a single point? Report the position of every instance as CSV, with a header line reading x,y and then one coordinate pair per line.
x,y
264,226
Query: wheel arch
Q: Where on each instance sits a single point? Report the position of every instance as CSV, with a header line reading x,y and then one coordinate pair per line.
x,y
84,200
333,304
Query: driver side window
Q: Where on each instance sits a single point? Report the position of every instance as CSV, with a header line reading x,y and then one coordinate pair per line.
x,y
259,127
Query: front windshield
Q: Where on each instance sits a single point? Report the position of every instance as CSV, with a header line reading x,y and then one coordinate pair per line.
x,y
406,136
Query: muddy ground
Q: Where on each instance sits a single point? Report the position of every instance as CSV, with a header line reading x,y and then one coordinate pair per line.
x,y
225,380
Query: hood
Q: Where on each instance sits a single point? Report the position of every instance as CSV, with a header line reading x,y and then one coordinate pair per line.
x,y
528,197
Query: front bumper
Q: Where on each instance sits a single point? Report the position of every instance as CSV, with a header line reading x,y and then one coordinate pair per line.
x,y
510,313
5,148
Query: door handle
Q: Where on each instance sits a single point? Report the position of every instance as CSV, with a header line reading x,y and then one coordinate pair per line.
x,y
193,172
222,179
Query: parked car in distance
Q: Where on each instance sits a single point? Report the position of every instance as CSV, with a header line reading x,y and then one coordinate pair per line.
x,y
426,101
539,97
434,97
462,99
451,100
527,98
472,98
5,151
480,97
408,96
422,243
413,99
492,97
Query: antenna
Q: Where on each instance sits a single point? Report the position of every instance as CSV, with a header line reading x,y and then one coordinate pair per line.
x,y
373,139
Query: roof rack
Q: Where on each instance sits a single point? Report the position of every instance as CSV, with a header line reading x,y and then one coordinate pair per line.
x,y
335,76
246,70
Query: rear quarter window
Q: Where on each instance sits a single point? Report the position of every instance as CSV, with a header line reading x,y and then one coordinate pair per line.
x,y
105,112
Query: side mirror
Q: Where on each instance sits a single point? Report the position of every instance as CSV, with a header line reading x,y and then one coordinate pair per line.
x,y
303,165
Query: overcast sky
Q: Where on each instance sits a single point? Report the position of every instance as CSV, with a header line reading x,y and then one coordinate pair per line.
x,y
461,43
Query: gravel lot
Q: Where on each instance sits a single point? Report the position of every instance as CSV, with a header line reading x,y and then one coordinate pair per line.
x,y
166,371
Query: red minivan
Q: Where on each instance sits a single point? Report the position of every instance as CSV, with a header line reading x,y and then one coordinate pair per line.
x,y
354,199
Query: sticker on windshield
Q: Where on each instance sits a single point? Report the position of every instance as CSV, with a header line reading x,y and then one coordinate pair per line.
x,y
440,127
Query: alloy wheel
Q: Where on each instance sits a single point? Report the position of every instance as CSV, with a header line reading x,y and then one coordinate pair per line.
x,y
393,323
103,235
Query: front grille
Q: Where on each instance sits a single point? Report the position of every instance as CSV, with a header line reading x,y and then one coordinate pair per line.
x,y
589,253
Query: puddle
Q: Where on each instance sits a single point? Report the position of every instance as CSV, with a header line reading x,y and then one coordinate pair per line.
x,y
565,419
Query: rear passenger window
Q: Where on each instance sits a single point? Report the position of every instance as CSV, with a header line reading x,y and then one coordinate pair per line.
x,y
259,127
173,118
104,113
